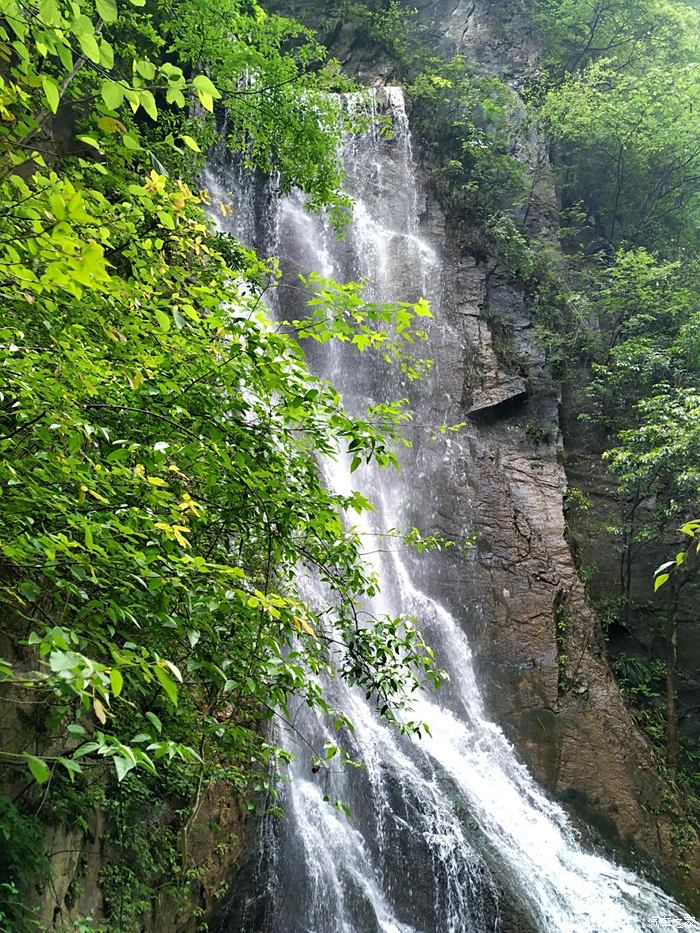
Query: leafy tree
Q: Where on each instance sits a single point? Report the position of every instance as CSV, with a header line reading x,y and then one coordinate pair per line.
x,y
648,311
629,150
618,94
160,495
576,33
680,571
644,392
658,466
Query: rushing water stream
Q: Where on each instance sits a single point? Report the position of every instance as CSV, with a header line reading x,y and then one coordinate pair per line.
x,y
443,828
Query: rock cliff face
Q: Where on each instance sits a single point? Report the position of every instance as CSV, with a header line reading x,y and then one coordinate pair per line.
x,y
539,642
215,842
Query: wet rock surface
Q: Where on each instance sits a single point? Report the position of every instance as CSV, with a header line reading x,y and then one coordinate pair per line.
x,y
539,644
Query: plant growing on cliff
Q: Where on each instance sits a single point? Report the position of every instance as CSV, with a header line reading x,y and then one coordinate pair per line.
x,y
629,150
385,23
463,120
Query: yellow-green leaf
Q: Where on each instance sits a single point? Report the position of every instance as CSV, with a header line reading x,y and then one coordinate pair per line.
x,y
116,680
107,9
191,143
145,68
51,92
204,85
163,320
130,142
100,711
90,48
148,102
106,55
112,94
49,13
206,100
167,684
166,219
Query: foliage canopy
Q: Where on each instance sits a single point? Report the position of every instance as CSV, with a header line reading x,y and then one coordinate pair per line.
x,y
159,484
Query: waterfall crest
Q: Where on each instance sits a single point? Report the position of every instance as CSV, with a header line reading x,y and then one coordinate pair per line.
x,y
442,828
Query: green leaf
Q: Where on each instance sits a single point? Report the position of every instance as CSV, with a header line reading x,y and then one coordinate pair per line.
x,y
40,770
175,670
148,102
123,766
163,320
145,68
90,48
49,13
166,219
51,92
660,580
86,749
191,143
204,85
106,55
155,722
167,684
175,96
72,767
89,141
65,56
206,100
130,141
107,9
116,680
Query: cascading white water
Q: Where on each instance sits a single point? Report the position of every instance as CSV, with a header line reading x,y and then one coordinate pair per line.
x,y
444,827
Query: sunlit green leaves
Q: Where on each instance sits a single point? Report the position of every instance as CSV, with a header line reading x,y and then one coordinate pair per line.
x,y
116,680
89,47
206,91
112,94
51,91
190,142
167,684
107,10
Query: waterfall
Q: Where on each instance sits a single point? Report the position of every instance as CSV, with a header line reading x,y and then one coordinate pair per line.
x,y
445,828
